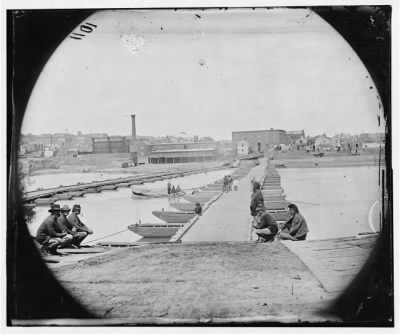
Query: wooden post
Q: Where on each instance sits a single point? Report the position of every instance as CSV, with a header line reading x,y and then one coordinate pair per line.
x,y
383,200
379,169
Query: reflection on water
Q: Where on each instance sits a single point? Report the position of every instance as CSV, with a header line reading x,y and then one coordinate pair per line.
x,y
340,197
111,211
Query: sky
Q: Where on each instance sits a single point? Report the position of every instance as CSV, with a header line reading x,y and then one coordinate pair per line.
x,y
204,73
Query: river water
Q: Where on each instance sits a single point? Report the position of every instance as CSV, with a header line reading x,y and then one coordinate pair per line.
x,y
109,212
334,201
46,181
341,197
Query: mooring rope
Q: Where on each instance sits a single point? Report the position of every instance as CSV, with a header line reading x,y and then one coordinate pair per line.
x,y
303,202
107,236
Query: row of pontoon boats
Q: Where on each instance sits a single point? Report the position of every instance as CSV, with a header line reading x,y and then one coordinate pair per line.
x,y
79,193
174,220
48,200
274,195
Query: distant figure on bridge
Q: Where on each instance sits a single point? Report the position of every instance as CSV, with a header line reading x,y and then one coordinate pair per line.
x,y
198,209
257,198
178,189
295,228
80,230
230,183
169,188
264,225
49,234
173,191
235,185
225,184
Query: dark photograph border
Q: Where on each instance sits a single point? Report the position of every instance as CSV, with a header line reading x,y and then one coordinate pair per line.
x,y
32,290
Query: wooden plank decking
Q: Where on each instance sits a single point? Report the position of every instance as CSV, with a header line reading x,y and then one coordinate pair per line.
x,y
335,262
228,219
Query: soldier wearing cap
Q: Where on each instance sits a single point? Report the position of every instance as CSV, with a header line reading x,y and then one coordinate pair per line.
x,y
296,227
79,229
264,225
64,225
257,198
49,234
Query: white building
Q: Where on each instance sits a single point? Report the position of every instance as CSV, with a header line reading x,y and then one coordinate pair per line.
x,y
301,142
323,140
242,147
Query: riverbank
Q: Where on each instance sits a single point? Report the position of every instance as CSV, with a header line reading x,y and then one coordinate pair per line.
x,y
211,282
197,282
112,164
301,159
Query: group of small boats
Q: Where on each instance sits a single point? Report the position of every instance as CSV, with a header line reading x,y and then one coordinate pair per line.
x,y
183,203
174,220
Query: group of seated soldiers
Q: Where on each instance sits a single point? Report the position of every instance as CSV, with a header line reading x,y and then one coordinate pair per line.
x,y
61,229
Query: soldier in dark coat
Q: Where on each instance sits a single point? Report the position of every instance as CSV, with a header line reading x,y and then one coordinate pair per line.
x,y
264,225
80,230
49,235
198,209
295,228
64,225
257,198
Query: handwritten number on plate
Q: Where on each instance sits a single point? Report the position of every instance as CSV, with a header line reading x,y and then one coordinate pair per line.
x,y
86,28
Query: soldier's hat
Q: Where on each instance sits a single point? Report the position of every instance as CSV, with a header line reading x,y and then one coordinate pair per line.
x,y
55,208
65,208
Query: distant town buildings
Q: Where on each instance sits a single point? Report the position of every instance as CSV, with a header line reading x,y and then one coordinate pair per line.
x,y
182,152
294,136
257,141
110,144
323,141
192,148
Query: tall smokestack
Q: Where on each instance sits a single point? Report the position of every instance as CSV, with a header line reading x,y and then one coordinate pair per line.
x,y
133,146
133,127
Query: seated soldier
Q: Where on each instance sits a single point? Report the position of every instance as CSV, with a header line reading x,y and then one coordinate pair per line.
x,y
198,209
295,228
79,229
264,225
49,234
65,226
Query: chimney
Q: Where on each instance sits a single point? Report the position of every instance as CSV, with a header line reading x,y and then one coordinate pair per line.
x,y
133,146
133,127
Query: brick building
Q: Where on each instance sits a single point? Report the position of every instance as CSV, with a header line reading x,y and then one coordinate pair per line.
x,y
258,141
